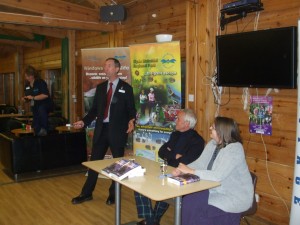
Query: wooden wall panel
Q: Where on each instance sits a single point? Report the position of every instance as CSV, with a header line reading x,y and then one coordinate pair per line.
x,y
47,58
273,210
85,39
7,64
91,39
141,27
273,205
279,148
270,157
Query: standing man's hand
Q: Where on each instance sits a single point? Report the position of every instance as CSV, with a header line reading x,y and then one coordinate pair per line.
x,y
130,126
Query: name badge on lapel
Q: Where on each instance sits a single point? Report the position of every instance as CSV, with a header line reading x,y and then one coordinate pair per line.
x,y
122,90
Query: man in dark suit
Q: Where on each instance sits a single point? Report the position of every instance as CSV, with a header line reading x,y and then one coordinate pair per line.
x,y
114,111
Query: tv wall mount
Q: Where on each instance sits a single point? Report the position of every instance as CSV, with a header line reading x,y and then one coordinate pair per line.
x,y
239,9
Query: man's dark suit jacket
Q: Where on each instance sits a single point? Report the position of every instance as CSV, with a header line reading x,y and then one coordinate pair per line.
x,y
122,109
189,144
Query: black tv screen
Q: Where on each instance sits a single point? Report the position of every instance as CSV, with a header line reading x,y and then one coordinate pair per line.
x,y
265,58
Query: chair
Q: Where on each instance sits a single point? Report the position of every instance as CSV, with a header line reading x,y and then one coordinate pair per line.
x,y
253,208
8,109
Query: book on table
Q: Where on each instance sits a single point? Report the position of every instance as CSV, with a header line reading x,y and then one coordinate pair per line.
x,y
183,179
122,169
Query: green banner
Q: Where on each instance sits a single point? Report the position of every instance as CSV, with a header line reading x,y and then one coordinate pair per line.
x,y
156,80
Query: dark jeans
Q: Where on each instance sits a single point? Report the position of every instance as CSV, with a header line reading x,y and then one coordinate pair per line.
x,y
40,117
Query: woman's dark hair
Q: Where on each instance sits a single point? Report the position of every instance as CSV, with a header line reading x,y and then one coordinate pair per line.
x,y
31,71
227,130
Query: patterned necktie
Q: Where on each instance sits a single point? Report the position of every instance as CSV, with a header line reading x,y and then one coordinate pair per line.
x,y
214,156
108,98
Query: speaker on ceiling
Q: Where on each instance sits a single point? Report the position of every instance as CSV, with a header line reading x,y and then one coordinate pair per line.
x,y
112,13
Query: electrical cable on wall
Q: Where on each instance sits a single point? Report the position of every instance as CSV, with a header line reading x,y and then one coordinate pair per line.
x,y
270,90
217,92
217,95
245,97
256,20
269,178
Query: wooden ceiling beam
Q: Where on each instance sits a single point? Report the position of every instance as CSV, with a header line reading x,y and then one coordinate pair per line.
x,y
50,32
56,8
21,43
95,3
100,3
44,21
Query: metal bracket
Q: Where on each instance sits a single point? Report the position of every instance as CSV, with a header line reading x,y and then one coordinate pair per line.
x,y
238,12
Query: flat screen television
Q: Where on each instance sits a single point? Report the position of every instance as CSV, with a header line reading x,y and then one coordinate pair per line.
x,y
262,59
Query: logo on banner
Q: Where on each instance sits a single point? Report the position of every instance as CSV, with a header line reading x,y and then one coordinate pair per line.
x,y
168,61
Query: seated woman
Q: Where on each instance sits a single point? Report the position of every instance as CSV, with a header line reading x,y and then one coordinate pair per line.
x,y
222,160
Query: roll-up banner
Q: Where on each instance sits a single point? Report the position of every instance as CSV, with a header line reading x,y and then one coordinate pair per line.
x,y
156,81
295,203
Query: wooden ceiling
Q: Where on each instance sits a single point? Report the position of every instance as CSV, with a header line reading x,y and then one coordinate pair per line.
x,y
25,23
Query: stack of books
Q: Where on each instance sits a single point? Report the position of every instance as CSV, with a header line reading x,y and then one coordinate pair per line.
x,y
183,179
123,168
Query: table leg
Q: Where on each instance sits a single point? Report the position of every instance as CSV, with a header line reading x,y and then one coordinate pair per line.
x,y
118,203
177,211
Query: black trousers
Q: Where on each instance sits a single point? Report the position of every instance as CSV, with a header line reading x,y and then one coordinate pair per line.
x,y
40,117
98,152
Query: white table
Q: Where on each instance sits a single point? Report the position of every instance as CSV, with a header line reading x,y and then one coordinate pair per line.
x,y
151,185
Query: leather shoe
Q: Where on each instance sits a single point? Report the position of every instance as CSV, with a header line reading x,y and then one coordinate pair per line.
x,y
81,198
110,200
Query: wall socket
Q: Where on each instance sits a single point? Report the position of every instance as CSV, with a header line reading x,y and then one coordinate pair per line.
x,y
257,197
191,98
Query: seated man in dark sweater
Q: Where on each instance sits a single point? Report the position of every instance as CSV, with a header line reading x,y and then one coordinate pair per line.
x,y
184,146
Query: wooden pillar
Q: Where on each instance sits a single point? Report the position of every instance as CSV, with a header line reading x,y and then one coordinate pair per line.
x,y
115,39
72,77
19,76
191,56
202,17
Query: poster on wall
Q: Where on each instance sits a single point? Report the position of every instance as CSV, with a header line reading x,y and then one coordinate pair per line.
x,y
156,81
93,74
260,116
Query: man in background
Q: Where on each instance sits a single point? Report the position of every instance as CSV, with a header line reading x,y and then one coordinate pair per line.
x,y
37,93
